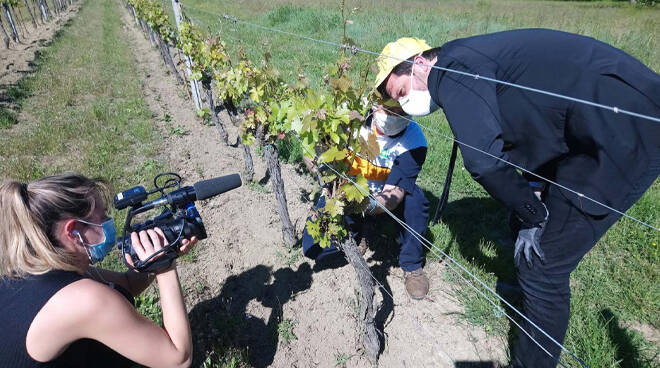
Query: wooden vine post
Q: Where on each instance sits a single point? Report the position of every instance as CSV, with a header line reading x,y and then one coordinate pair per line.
x,y
13,4
10,19
44,10
194,86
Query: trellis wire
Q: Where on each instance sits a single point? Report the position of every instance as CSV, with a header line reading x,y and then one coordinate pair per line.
x,y
614,109
433,248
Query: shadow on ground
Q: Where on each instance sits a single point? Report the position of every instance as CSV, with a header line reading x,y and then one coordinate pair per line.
x,y
223,322
627,352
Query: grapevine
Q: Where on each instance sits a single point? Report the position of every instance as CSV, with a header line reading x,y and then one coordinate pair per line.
x,y
326,122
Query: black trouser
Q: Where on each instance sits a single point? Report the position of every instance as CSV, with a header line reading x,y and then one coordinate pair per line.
x,y
569,235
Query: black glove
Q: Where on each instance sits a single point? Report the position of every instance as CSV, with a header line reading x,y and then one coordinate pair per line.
x,y
373,204
529,239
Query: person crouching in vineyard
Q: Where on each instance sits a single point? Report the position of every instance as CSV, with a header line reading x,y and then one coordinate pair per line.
x,y
391,157
55,308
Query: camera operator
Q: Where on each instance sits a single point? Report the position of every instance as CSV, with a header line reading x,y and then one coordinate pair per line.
x,y
59,311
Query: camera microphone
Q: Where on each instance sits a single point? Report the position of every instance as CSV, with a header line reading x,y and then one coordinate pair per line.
x,y
211,187
201,190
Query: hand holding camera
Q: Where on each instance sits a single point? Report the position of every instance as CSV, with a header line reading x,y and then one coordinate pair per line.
x,y
148,242
155,243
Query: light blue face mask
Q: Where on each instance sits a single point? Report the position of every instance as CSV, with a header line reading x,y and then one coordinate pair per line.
x,y
98,251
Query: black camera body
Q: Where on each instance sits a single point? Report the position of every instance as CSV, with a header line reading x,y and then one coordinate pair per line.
x,y
179,220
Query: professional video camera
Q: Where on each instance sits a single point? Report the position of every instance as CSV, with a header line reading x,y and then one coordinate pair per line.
x,y
178,221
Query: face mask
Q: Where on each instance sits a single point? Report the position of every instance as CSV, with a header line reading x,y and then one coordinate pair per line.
x,y
96,252
390,124
416,102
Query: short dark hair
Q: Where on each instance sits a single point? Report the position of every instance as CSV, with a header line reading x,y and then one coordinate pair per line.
x,y
405,67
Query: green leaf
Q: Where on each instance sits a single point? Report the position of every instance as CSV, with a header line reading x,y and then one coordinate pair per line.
x,y
296,125
334,207
312,229
196,76
356,193
325,241
333,154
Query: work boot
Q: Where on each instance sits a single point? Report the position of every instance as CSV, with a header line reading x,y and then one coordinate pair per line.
x,y
417,284
362,247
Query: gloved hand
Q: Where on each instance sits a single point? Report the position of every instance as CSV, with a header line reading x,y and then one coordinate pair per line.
x,y
373,204
529,239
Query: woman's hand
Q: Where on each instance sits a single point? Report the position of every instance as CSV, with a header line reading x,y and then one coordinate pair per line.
x,y
186,245
147,242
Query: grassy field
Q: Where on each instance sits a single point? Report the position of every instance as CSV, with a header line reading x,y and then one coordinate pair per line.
x,y
618,284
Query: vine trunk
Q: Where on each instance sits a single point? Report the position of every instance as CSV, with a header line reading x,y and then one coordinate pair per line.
x,y
29,10
273,162
5,36
224,137
366,318
167,57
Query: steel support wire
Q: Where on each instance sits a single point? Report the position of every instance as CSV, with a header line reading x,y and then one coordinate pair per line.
x,y
434,131
581,195
384,289
354,49
438,252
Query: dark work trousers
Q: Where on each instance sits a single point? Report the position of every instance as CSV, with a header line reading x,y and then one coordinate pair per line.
x,y
569,235
413,210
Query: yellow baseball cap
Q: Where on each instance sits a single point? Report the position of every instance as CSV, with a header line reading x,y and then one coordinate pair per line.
x,y
394,53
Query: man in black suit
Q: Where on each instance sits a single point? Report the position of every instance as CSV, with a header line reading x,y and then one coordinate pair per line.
x,y
608,156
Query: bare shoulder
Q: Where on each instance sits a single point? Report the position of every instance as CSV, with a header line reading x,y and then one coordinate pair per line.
x,y
69,315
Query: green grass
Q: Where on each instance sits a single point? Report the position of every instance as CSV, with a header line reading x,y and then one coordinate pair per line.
x,y
8,118
285,331
620,275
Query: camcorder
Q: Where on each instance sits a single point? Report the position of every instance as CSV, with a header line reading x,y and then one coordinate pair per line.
x,y
179,219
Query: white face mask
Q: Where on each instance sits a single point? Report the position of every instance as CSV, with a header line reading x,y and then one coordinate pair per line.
x,y
417,102
390,124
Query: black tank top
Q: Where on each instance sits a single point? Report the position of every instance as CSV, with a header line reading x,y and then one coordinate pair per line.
x,y
20,301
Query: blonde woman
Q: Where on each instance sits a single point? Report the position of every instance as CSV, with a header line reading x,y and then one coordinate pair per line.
x,y
58,311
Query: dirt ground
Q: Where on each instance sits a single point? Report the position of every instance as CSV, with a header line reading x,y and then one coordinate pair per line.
x,y
243,282
16,61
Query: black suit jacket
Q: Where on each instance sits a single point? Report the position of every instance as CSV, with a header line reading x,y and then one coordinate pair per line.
x,y
596,152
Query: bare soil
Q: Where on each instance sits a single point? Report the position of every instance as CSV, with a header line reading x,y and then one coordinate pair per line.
x,y
16,61
243,282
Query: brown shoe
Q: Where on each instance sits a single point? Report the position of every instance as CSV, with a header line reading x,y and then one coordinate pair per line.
x,y
417,284
362,247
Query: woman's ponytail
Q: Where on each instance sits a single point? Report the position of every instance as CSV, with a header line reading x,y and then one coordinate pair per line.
x,y
30,213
